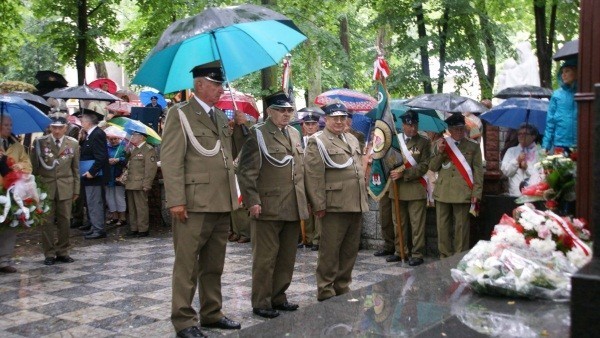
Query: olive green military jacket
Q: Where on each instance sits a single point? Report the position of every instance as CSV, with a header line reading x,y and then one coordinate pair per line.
x,y
57,168
335,189
450,186
201,183
409,185
141,168
277,188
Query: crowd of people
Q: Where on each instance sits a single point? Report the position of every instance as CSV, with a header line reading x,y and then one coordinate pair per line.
x,y
278,186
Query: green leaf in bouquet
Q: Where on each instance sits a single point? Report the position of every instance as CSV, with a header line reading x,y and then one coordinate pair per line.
x,y
553,178
528,199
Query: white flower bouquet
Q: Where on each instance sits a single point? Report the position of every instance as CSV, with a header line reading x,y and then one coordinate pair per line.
x,y
532,255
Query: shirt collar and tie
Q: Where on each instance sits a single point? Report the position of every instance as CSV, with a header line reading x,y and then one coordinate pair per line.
x,y
5,144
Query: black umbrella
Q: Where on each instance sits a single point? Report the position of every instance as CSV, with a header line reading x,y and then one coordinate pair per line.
x,y
50,76
568,50
35,100
450,103
83,93
524,91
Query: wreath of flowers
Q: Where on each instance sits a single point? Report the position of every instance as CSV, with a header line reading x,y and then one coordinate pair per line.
x,y
23,200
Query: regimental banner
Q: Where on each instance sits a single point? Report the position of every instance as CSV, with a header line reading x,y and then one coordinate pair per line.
x,y
386,152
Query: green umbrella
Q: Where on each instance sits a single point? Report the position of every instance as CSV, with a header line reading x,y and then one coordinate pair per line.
x,y
130,126
429,119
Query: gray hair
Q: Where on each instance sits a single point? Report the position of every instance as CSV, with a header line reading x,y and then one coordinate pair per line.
x,y
93,119
531,129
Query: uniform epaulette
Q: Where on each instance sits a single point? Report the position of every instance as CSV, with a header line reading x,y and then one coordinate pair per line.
x,y
70,138
44,137
317,133
468,139
256,125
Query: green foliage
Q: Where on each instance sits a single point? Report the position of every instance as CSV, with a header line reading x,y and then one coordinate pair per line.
x,y
10,31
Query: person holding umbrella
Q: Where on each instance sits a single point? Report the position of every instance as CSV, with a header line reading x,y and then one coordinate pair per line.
x,y
141,170
55,160
12,158
199,181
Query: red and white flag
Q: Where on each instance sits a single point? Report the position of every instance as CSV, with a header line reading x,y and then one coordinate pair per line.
x,y
287,74
381,70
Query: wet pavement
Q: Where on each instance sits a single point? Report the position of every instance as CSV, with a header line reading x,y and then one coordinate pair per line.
x,y
122,288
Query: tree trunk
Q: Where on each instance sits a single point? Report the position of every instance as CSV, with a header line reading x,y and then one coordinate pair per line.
x,y
490,49
101,69
443,34
544,40
82,28
268,76
345,41
421,29
314,81
476,55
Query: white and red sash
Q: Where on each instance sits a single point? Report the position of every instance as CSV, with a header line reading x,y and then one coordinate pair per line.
x,y
411,160
459,160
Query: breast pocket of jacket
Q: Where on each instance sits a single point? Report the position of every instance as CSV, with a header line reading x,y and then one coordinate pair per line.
x,y
337,155
277,152
269,201
334,194
206,138
197,193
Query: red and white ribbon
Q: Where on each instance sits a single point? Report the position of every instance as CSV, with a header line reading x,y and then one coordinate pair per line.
x,y
381,69
567,230
286,75
411,160
459,160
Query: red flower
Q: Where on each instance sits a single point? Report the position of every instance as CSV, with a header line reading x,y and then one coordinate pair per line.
x,y
551,204
566,240
39,211
28,200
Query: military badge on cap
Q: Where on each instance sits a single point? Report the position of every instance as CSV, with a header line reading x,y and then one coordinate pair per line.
x,y
58,119
279,99
455,120
410,117
335,109
311,114
210,71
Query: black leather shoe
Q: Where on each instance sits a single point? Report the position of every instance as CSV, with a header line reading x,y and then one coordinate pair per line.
x,y
190,332
315,247
224,323
132,234
286,306
96,235
87,233
85,228
49,261
266,313
415,261
76,224
380,253
394,258
64,259
143,234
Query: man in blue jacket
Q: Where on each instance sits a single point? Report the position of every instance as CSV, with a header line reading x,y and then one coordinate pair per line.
x,y
561,121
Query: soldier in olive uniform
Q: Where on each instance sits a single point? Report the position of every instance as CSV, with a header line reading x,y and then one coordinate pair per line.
x,y
197,166
141,169
312,226
335,186
454,193
271,177
55,161
412,188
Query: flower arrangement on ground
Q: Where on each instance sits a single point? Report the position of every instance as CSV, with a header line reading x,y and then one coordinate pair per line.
x,y
532,254
22,201
558,187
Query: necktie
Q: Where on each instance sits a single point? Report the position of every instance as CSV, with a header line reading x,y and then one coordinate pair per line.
x,y
211,114
57,141
284,132
5,144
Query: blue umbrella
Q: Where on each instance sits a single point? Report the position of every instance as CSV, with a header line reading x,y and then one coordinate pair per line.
x,y
25,117
362,123
429,119
145,98
515,111
244,38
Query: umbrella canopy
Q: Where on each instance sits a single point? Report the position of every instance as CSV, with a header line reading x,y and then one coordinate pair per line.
x,y
515,111
243,102
146,98
35,100
105,84
11,86
83,93
524,91
567,51
50,76
450,103
429,119
25,117
130,126
352,99
114,131
124,108
131,95
229,34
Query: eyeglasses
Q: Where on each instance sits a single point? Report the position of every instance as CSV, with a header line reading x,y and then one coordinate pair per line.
x,y
338,118
524,134
284,110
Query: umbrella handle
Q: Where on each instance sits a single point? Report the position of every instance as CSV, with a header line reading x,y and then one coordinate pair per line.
x,y
243,126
